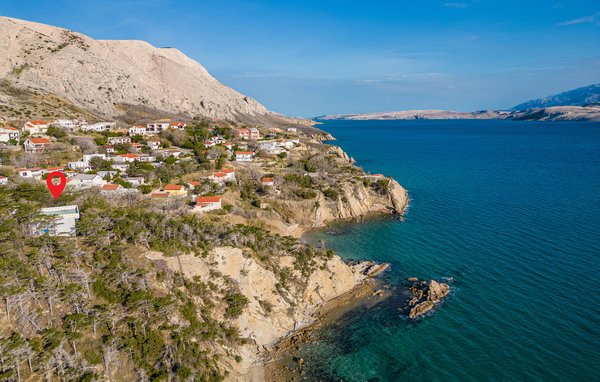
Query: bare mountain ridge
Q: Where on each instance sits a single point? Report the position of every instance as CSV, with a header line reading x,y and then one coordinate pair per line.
x,y
113,78
576,97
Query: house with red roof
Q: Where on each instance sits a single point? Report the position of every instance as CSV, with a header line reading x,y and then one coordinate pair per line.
x,y
111,189
36,145
109,149
123,158
207,203
3,180
244,156
268,181
175,190
193,184
178,125
36,127
229,173
242,133
8,133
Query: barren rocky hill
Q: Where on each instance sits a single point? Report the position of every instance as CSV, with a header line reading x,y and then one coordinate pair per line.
x,y
44,68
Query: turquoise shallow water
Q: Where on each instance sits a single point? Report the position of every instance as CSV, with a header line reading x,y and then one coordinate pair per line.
x,y
511,210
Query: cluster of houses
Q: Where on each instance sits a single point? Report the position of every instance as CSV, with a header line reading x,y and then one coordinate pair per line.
x,y
155,128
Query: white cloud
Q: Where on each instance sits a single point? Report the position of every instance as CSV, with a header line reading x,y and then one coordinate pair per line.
x,y
456,5
581,20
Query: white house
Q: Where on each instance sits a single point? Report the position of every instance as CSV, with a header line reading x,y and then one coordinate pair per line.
x,y
7,133
84,164
268,181
120,166
178,125
116,140
65,123
109,149
98,127
218,177
209,144
85,181
63,223
292,129
175,153
137,130
3,180
207,203
229,173
153,145
242,133
123,158
111,189
36,145
218,140
244,156
29,172
135,181
228,146
36,127
157,127
105,173
287,144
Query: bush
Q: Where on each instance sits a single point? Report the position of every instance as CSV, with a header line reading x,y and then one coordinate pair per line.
x,y
331,193
237,302
56,132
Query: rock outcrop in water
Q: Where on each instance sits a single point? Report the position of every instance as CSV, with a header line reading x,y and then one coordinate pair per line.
x,y
425,296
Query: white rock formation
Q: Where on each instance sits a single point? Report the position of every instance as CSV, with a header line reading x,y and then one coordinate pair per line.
x,y
101,75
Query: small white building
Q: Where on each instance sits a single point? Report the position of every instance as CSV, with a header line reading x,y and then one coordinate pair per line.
x,y
29,172
153,145
120,166
209,144
137,130
112,189
8,133
36,127
105,173
116,140
98,127
62,224
292,129
207,203
178,125
85,181
124,158
229,173
157,127
244,156
268,181
65,123
3,180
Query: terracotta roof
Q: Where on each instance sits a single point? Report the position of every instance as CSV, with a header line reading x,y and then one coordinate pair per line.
x,y
244,153
139,127
53,168
173,187
36,122
219,174
110,187
242,130
173,151
266,180
9,128
194,183
136,144
160,195
35,169
39,140
208,199
227,170
21,169
110,147
129,155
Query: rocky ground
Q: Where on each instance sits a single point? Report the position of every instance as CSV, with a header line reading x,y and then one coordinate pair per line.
x,y
425,295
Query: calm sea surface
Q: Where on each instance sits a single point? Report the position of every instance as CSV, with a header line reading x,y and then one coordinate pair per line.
x,y
511,210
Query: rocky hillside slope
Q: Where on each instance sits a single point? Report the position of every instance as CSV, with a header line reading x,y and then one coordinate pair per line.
x,y
110,79
576,97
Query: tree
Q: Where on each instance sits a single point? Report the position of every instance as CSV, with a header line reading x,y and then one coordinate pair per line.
x,y
56,132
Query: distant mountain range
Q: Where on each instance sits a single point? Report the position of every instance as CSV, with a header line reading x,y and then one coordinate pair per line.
x,y
576,97
582,104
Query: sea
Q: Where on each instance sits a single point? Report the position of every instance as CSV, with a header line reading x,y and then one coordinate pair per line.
x,y
507,213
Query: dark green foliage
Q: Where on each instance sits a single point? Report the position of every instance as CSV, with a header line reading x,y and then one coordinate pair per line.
x,y
237,302
56,132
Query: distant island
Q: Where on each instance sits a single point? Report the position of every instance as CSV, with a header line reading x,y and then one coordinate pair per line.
x,y
582,104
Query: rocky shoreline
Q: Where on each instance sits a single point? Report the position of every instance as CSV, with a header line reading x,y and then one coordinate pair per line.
x,y
426,294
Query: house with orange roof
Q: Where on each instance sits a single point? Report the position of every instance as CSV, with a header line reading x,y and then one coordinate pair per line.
x,y
244,156
242,133
3,181
207,203
137,130
193,184
268,181
159,195
29,172
175,190
36,127
123,158
8,133
136,146
111,189
209,144
48,170
229,172
178,125
36,145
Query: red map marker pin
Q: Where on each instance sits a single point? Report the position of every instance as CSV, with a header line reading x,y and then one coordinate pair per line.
x,y
56,189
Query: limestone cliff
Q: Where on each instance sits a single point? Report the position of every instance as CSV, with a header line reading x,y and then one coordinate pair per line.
x,y
272,311
111,78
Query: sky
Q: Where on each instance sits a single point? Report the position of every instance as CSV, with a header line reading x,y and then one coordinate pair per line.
x,y
309,58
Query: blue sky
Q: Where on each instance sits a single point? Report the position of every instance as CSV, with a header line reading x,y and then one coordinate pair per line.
x,y
307,58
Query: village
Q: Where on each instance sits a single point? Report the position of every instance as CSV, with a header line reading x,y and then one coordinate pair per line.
x,y
203,166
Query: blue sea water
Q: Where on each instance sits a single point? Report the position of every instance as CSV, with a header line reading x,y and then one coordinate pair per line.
x,y
511,210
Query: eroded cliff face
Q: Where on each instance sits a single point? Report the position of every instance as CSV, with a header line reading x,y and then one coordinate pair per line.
x,y
108,78
272,311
